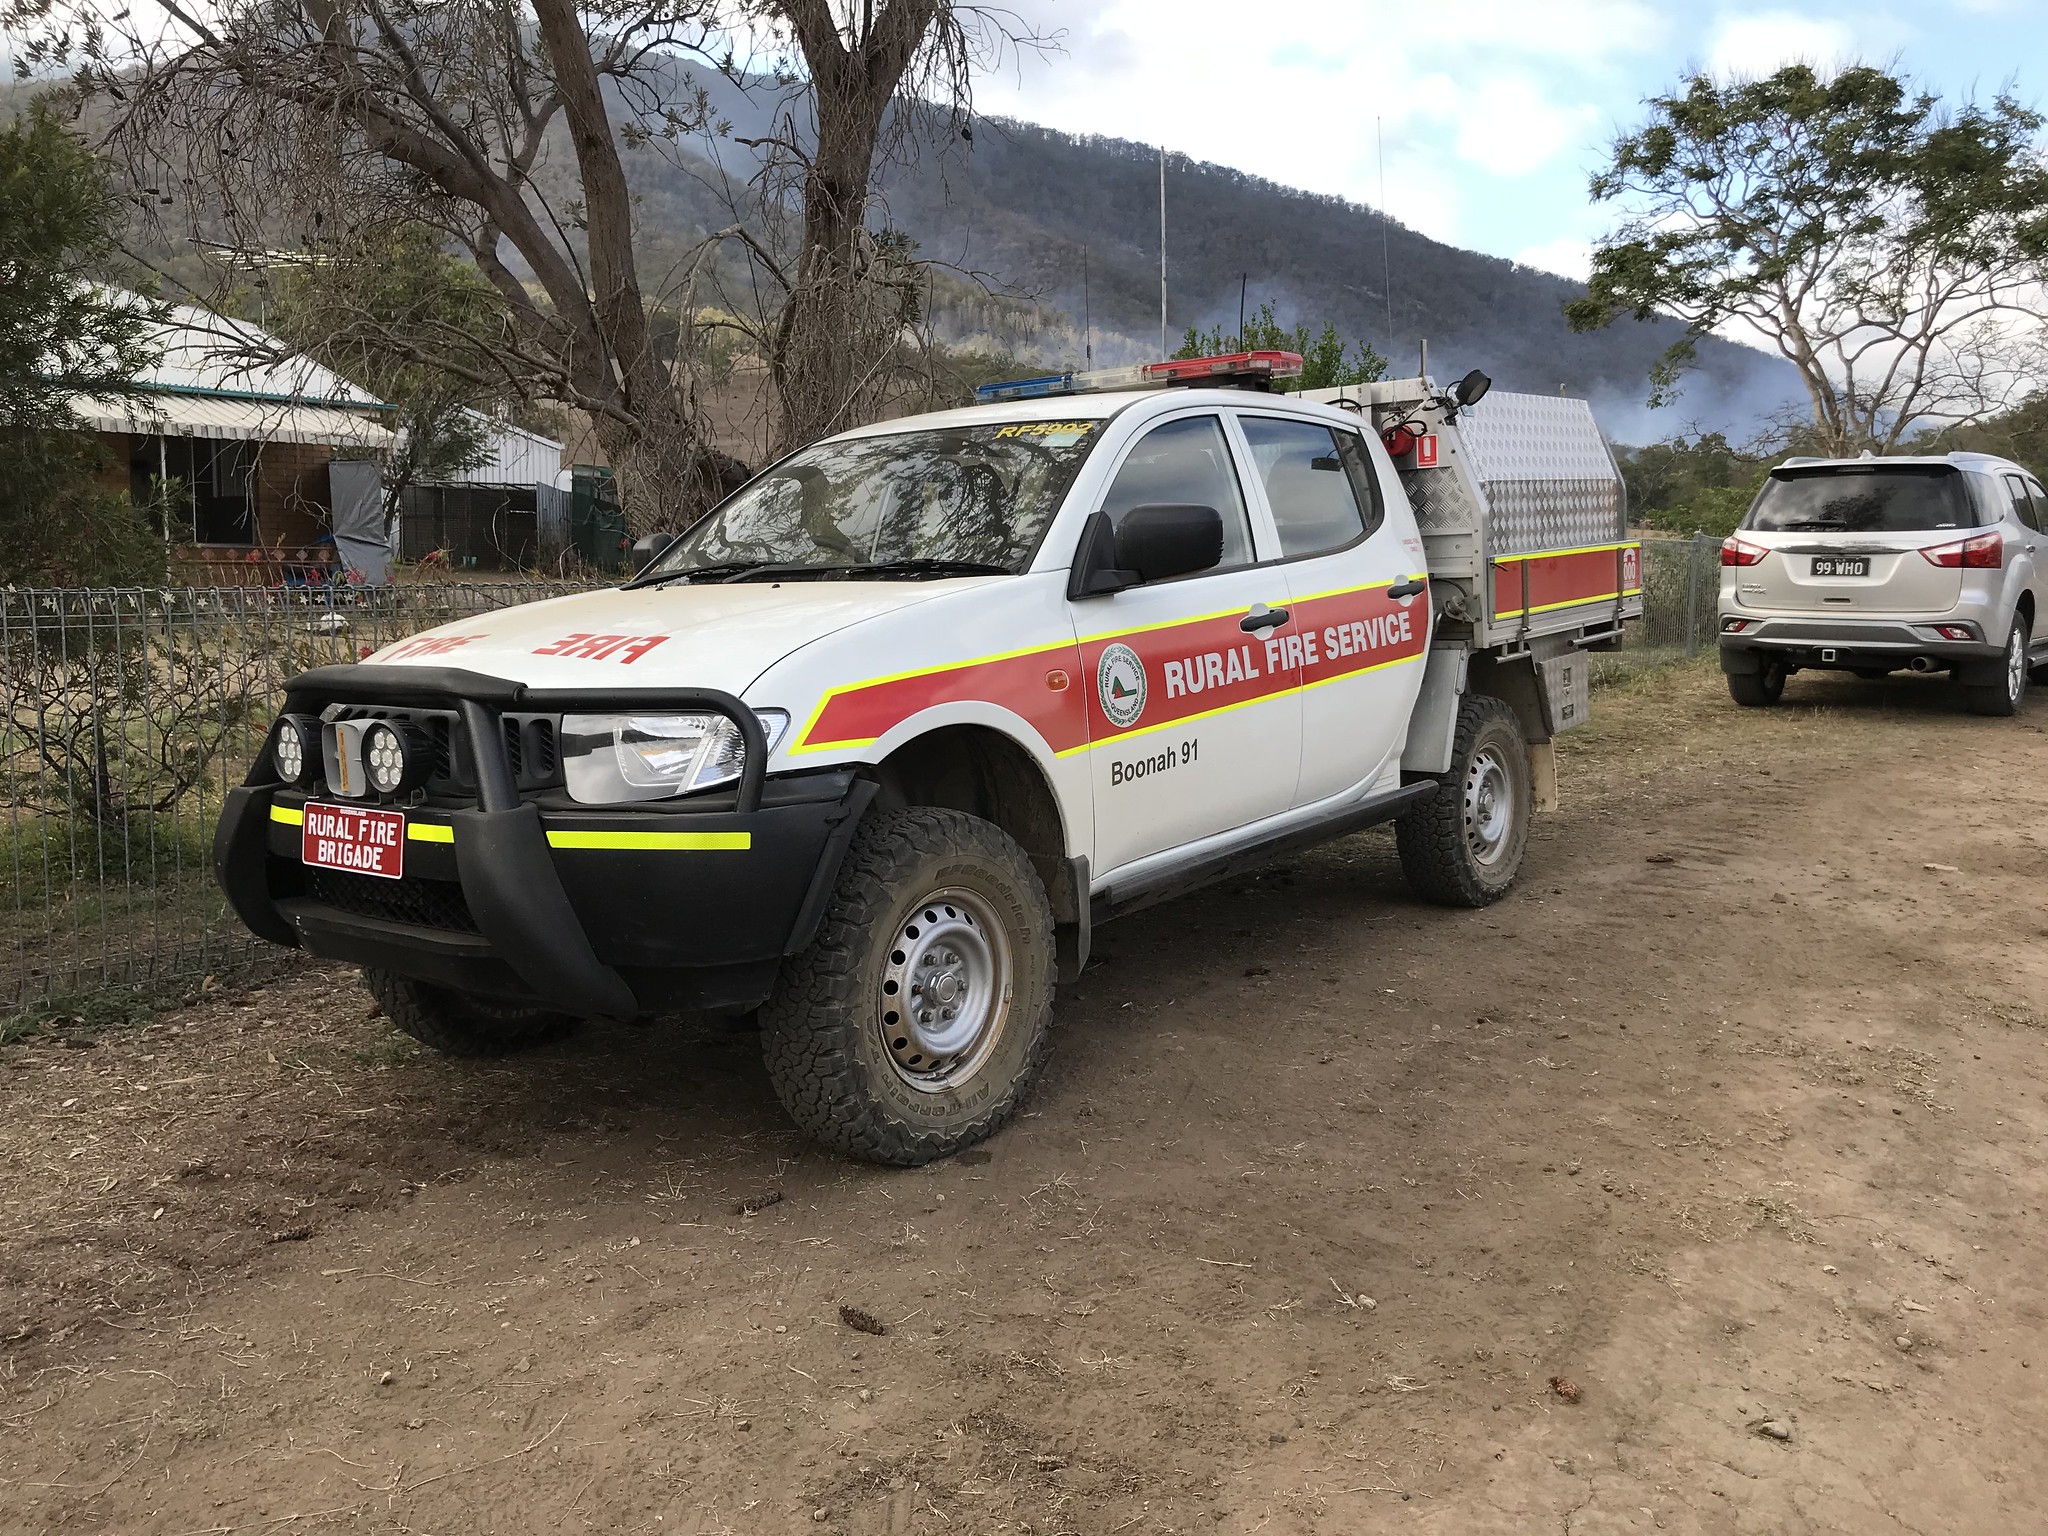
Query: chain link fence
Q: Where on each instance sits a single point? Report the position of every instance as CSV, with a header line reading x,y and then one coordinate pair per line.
x,y
125,716
1681,595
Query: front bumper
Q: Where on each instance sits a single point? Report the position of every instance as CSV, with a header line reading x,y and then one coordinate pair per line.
x,y
1824,642
590,910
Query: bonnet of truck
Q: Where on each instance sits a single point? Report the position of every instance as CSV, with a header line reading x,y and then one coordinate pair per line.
x,y
679,635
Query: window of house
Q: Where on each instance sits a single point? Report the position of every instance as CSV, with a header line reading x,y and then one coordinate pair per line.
x,y
212,486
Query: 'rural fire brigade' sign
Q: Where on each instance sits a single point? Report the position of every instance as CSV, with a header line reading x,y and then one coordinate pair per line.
x,y
362,841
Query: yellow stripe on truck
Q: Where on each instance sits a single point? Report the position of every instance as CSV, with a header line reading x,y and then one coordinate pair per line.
x,y
417,831
647,842
641,842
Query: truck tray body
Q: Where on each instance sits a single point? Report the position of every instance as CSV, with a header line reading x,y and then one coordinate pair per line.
x,y
1523,516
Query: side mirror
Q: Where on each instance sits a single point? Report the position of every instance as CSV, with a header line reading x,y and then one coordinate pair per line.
x,y
1169,539
1151,544
1471,389
650,549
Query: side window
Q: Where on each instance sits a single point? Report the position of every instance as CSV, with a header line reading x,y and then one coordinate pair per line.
x,y
1319,481
2022,508
1989,496
2040,500
1188,462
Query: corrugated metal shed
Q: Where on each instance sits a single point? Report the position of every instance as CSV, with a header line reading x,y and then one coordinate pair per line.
x,y
517,457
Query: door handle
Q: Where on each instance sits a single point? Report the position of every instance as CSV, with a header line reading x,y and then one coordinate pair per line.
x,y
1412,588
1262,617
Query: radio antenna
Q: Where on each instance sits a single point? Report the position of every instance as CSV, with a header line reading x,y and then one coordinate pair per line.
x,y
1087,315
1386,256
1162,250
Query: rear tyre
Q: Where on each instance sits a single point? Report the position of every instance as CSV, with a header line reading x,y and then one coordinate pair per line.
x,y
2003,697
1762,688
458,1024
921,1016
1463,846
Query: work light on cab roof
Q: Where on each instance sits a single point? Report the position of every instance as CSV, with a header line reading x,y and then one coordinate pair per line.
x,y
1239,370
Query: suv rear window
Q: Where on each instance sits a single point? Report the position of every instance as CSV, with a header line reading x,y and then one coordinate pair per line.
x,y
1902,498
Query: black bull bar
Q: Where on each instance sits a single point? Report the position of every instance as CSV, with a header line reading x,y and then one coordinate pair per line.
x,y
523,912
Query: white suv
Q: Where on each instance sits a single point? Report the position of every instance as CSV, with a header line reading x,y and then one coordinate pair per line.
x,y
1876,565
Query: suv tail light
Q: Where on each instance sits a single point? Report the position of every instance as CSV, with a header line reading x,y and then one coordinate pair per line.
x,y
1735,552
1985,552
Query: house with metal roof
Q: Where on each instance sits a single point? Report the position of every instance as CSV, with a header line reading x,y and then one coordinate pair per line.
x,y
251,432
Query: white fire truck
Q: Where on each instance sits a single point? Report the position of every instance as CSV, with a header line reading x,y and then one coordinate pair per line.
x,y
874,747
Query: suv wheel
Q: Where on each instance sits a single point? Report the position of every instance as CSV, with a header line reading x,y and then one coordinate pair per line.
x,y
921,1015
457,1024
1463,846
1761,688
2003,697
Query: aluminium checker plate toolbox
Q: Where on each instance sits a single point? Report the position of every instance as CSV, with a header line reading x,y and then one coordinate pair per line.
x,y
1525,509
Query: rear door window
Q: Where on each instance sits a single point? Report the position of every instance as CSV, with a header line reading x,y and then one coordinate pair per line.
x,y
1318,482
1903,498
2024,507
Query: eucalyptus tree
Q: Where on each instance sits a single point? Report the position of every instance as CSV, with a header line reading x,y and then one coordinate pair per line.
x,y
1893,249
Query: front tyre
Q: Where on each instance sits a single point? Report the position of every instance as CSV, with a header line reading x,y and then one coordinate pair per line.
x,y
920,1017
457,1024
2003,697
1463,846
1763,687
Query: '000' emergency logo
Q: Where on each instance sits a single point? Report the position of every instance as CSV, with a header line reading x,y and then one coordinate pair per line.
x,y
1120,684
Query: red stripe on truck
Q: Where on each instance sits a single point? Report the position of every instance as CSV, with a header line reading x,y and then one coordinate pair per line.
x,y
1565,578
1183,671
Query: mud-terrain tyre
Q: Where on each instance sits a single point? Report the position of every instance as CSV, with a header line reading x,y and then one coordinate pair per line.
x,y
1759,689
920,1017
1463,846
2004,696
457,1024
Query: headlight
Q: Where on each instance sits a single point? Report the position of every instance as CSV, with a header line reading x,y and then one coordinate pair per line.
x,y
609,759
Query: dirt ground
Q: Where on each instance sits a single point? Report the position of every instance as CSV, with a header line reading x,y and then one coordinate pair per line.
x,y
1696,1187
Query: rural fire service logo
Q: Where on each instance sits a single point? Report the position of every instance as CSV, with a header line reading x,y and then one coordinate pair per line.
x,y
1120,683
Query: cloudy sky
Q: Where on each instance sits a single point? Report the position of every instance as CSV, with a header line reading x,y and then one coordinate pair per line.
x,y
1494,111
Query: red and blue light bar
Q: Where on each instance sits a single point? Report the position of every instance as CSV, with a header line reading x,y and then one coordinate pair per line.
x,y
1253,370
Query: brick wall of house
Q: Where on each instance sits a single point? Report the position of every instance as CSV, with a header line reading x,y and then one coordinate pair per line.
x,y
111,474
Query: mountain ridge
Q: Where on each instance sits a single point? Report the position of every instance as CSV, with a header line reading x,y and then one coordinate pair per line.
x,y
1031,207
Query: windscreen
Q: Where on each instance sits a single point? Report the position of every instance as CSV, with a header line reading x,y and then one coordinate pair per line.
x,y
1903,498
959,497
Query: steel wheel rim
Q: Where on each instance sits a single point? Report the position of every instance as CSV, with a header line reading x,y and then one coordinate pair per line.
x,y
2015,665
945,994
1489,806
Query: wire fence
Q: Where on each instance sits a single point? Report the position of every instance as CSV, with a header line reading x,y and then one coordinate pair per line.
x,y
125,716
1681,595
